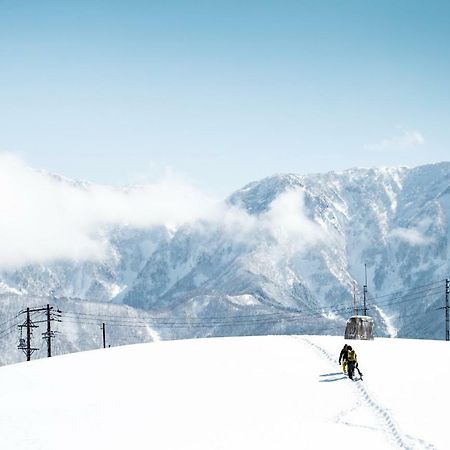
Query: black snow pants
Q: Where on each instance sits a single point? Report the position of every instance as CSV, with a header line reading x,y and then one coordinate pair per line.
x,y
351,369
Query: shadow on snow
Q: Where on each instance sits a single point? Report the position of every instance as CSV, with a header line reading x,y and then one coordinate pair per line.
x,y
333,377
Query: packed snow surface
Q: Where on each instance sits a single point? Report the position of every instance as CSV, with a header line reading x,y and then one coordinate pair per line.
x,y
271,392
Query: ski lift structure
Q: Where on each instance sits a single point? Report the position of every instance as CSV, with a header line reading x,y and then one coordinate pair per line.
x,y
359,326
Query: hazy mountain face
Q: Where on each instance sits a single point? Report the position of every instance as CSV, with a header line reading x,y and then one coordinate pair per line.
x,y
287,243
304,242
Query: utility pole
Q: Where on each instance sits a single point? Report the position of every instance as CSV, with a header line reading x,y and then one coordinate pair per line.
x,y
104,335
446,307
447,290
25,344
355,312
365,290
29,335
49,334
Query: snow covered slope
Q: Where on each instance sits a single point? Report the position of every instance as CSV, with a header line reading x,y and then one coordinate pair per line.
x,y
229,393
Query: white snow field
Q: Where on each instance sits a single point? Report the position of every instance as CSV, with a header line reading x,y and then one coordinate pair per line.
x,y
270,392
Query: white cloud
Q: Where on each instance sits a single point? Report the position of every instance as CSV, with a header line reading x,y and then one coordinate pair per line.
x,y
44,218
285,224
288,222
407,139
410,235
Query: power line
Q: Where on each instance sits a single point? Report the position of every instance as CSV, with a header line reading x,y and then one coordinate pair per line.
x,y
417,294
9,320
217,319
414,314
179,317
232,320
168,320
188,319
28,324
184,324
9,333
406,299
304,318
403,292
279,314
237,319
5,333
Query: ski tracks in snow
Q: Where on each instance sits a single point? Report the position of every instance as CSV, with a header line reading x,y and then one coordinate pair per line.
x,y
389,426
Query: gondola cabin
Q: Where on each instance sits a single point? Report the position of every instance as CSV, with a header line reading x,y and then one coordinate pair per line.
x,y
359,327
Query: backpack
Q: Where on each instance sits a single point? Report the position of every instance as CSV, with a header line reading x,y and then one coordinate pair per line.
x,y
351,356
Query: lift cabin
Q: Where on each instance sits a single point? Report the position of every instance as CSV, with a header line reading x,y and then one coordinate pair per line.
x,y
359,327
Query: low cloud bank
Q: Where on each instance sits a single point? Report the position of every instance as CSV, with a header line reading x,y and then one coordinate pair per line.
x,y
45,218
411,236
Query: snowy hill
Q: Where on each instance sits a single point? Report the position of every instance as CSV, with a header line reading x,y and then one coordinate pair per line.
x,y
285,244
230,393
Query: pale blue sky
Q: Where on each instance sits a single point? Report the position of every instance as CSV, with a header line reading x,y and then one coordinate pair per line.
x,y
223,92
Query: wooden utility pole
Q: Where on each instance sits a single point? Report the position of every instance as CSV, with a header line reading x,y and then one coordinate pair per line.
x,y
365,290
104,335
447,290
447,307
29,325
355,312
49,333
25,343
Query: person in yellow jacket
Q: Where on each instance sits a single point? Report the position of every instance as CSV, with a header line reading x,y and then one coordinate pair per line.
x,y
352,361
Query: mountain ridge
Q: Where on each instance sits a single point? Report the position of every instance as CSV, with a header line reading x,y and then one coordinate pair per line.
x,y
288,243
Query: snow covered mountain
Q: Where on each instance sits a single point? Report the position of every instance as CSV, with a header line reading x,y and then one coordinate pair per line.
x,y
306,245
281,255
